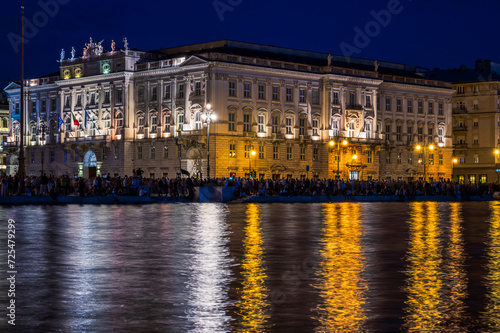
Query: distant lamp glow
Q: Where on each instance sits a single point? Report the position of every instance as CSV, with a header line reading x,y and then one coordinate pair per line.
x,y
332,143
497,152
455,160
354,157
344,142
209,106
418,147
253,152
431,147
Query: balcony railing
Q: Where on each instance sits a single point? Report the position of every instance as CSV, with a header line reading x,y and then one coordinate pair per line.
x,y
459,128
460,145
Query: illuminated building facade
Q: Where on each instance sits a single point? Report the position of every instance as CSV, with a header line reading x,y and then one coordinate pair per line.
x,y
4,133
476,121
128,109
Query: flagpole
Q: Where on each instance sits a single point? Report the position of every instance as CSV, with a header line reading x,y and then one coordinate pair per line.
x,y
21,170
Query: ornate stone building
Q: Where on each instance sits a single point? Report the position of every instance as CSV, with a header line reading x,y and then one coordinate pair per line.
x,y
476,120
128,109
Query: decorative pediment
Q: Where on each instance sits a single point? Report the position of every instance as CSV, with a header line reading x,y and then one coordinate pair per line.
x,y
193,60
12,85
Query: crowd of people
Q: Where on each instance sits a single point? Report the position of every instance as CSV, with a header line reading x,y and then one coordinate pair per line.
x,y
184,187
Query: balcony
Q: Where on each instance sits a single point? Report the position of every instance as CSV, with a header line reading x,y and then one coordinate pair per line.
x,y
462,128
460,145
354,107
460,110
277,136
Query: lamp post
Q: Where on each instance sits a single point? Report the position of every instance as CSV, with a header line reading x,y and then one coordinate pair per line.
x,y
332,143
418,148
250,171
207,116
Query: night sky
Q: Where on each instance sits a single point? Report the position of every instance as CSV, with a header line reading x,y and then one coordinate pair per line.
x,y
438,33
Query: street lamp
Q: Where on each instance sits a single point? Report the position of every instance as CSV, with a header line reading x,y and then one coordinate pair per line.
x,y
250,172
344,143
208,115
418,148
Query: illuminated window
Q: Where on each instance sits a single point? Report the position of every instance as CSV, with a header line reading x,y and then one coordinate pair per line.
x,y
302,96
288,124
232,150
483,178
261,120
472,179
167,124
154,124
197,121
369,154
165,151
315,127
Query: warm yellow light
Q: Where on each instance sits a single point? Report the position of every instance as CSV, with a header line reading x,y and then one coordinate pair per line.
x,y
253,152
497,152
455,160
332,143
209,106
418,147
354,157
344,142
431,147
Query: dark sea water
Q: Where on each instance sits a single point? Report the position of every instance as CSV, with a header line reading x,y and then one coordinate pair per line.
x,y
339,267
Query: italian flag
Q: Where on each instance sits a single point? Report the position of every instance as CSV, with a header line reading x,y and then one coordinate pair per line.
x,y
75,121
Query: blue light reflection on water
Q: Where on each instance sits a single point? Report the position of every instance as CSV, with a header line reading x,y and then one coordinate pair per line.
x,y
269,267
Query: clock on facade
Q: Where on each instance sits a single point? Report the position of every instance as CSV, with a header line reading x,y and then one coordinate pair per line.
x,y
106,68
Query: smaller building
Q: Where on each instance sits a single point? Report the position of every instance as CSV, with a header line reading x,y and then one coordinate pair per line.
x,y
475,120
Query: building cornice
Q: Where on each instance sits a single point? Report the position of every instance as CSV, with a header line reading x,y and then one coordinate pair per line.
x,y
417,88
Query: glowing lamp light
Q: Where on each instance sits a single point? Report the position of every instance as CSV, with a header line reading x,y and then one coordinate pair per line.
x,y
497,152
455,160
332,143
431,147
118,136
253,152
418,147
344,142
209,106
355,157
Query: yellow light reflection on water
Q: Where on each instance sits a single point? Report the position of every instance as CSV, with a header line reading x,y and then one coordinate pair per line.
x,y
490,317
341,286
253,305
455,288
423,311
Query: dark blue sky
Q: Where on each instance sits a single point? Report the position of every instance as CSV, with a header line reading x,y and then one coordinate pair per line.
x,y
439,33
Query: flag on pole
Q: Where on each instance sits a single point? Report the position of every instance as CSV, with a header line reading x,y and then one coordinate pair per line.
x,y
75,121
87,118
60,122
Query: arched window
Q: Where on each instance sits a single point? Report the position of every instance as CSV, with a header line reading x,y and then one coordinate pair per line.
x,y
288,124
107,123
5,122
167,124
33,131
141,122
154,124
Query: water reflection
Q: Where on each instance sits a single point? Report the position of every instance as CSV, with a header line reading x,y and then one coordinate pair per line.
x,y
342,288
455,286
253,305
423,312
209,271
491,314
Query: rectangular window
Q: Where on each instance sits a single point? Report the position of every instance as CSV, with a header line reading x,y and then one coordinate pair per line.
x,y
261,152
315,154
387,132
483,178
180,123
410,158
289,151
430,109
44,105
276,154
289,94
197,88
247,151
139,153
409,105
119,96
262,94
387,104
440,109
315,96
335,126
368,101
440,159
431,159
409,130
232,150
302,96
232,88
352,99
232,117
246,90
472,179
420,107
275,124
181,90
315,125
399,158
33,110
388,157
106,97
441,135
246,123
154,124
399,130
399,105
302,153
165,151
476,158
261,120
336,100
302,126
153,152
117,150
78,100
53,104
154,94
140,95
276,95
288,123
167,91
369,154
